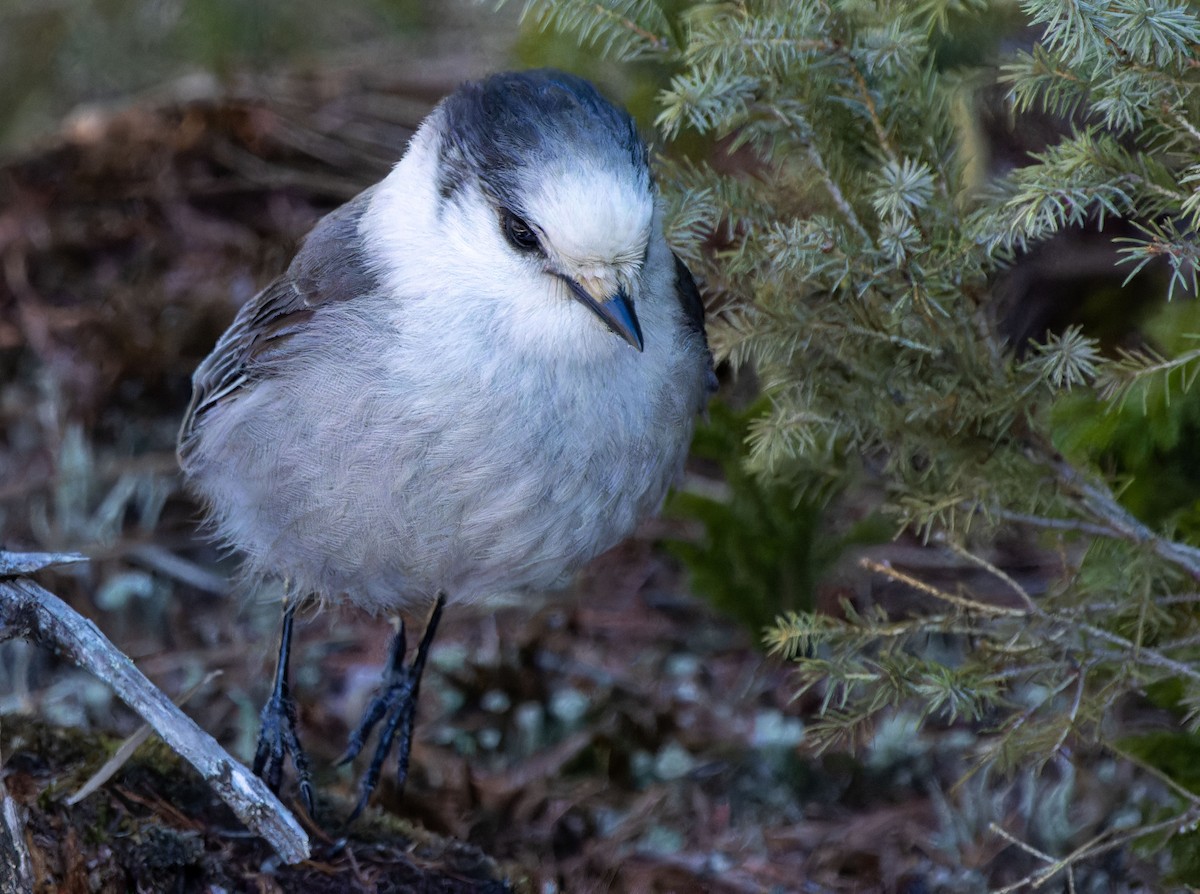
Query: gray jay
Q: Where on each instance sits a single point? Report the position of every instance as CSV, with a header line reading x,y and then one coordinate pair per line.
x,y
474,377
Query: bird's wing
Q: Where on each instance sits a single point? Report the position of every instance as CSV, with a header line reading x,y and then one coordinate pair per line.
x,y
329,267
693,316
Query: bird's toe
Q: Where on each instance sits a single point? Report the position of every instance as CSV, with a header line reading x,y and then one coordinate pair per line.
x,y
277,740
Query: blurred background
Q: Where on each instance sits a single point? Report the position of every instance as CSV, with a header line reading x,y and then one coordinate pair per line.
x,y
58,56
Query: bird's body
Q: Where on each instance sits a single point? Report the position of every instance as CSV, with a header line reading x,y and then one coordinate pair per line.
x,y
474,377
472,464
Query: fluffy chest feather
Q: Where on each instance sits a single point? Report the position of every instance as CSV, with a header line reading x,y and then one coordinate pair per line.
x,y
388,474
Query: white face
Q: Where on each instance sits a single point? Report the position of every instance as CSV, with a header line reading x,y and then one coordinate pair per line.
x,y
593,226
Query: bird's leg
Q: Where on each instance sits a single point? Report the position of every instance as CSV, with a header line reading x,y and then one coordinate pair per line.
x,y
397,702
277,737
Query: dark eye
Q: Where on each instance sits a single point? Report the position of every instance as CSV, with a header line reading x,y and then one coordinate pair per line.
x,y
519,234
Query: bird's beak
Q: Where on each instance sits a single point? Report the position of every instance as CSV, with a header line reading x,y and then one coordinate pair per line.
x,y
615,310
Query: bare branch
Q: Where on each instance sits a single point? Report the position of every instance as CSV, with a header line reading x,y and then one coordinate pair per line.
x,y
16,869
35,614
961,601
1121,524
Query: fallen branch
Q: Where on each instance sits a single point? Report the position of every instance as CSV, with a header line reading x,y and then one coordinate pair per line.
x,y
129,747
16,870
37,615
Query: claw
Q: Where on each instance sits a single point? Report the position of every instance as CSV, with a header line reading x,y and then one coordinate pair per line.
x,y
277,738
397,702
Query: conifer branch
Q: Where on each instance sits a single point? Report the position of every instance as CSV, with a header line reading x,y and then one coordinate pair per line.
x,y
854,257
1117,521
803,136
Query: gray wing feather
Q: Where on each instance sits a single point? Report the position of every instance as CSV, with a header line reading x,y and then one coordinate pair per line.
x,y
329,267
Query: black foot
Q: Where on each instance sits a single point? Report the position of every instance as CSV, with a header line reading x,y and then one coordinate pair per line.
x,y
277,738
397,702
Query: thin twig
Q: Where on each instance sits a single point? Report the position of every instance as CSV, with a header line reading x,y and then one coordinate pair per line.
x,y
887,570
864,90
1074,526
1183,642
1099,500
1068,728
1100,844
835,192
1017,842
658,43
983,563
1160,601
1187,794
803,135
1149,656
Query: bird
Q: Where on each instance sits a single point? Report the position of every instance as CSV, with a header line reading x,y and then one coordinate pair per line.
x,y
472,378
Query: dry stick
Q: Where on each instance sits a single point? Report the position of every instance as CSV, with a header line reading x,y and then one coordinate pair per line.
x,y
35,614
129,747
964,553
983,608
1107,840
16,869
1179,553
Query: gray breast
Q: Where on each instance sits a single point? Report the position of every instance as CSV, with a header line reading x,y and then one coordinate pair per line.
x,y
499,479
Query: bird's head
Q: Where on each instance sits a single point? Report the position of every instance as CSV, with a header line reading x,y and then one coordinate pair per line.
x,y
533,190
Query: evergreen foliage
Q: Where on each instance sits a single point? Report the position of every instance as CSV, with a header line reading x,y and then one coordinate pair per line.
x,y
763,549
847,244
756,556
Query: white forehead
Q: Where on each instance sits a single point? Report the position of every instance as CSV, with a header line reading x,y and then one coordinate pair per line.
x,y
592,215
